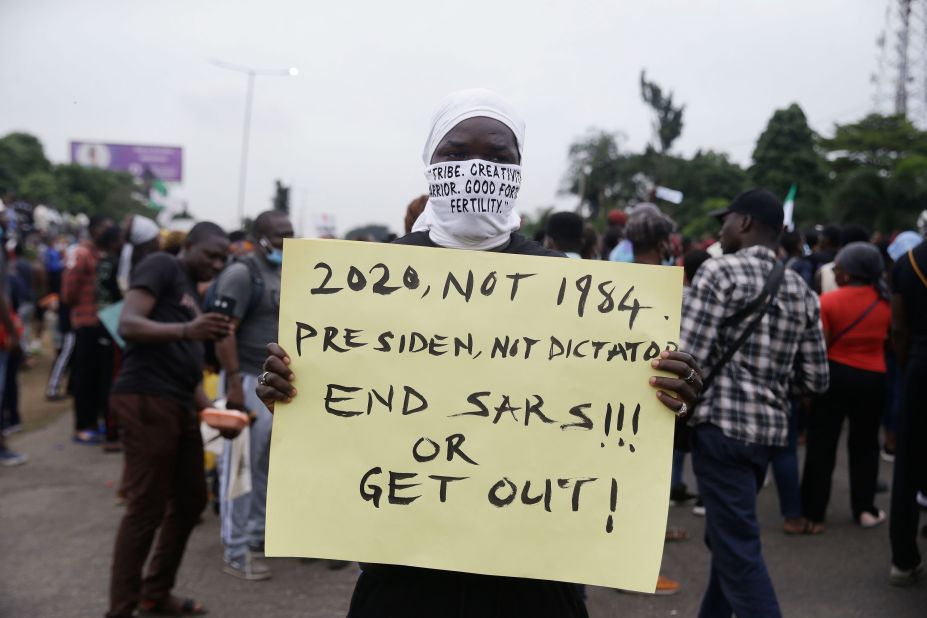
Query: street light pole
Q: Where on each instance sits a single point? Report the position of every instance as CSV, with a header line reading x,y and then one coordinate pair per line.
x,y
246,133
245,139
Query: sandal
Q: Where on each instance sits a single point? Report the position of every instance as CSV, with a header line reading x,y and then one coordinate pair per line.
x,y
171,606
795,525
88,436
676,534
811,527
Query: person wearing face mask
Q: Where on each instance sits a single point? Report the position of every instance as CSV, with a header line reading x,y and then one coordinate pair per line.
x,y
252,283
476,139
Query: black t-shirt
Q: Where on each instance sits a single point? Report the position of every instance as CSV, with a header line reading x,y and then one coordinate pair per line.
x,y
174,369
907,284
388,590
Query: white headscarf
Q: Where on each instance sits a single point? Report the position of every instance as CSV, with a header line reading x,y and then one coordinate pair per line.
x,y
141,230
471,103
454,109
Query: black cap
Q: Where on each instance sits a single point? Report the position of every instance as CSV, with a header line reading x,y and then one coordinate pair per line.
x,y
760,204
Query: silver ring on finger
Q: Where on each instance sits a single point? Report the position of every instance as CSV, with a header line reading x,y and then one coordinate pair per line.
x,y
262,379
683,410
690,379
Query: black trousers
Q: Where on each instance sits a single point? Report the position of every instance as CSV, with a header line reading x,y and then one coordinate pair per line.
x,y
910,464
91,376
392,592
859,396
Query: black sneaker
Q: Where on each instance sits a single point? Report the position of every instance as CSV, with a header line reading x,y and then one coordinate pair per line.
x,y
680,496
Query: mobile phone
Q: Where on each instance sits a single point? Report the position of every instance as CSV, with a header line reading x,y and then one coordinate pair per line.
x,y
224,305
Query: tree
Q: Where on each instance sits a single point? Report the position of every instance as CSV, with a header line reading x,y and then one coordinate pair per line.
x,y
667,118
281,199
95,191
706,180
875,141
600,175
21,154
39,188
787,153
879,166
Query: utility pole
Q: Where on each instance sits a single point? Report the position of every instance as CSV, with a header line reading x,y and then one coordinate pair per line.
x,y
904,39
246,133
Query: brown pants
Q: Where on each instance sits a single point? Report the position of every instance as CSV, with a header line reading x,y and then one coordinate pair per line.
x,y
166,489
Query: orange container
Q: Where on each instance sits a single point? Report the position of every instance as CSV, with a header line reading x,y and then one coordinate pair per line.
x,y
225,419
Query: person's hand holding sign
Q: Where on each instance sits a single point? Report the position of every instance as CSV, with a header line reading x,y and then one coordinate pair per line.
x,y
681,393
275,383
678,394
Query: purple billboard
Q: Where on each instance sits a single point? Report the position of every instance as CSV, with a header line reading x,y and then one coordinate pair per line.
x,y
163,162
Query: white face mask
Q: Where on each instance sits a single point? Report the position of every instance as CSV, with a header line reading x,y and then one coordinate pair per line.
x,y
471,204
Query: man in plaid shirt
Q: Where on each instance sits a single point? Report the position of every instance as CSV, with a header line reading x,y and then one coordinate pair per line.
x,y
742,418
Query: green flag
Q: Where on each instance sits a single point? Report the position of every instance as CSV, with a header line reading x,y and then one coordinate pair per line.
x,y
789,209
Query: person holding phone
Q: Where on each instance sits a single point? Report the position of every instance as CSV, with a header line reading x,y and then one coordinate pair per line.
x,y
156,397
248,291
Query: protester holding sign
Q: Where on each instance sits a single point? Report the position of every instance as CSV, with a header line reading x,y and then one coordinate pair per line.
x,y
476,138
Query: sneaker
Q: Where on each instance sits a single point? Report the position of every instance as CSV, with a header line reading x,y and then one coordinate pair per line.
x,y
868,520
9,459
680,496
922,499
699,509
247,568
18,427
666,586
905,577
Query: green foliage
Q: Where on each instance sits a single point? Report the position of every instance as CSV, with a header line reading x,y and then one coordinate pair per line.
x,y
699,225
281,200
95,191
39,188
879,166
667,118
787,152
24,170
21,154
876,142
708,181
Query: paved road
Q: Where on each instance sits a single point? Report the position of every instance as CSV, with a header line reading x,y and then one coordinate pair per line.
x,y
58,517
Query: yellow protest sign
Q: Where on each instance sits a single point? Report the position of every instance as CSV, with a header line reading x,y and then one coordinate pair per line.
x,y
473,411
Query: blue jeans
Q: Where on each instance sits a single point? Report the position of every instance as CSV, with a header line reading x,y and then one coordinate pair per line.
x,y
785,471
730,473
243,519
679,458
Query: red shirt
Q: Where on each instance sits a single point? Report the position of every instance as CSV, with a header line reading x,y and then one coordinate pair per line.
x,y
79,286
863,347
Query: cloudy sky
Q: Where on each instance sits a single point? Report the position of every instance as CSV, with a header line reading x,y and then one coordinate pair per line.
x,y
347,133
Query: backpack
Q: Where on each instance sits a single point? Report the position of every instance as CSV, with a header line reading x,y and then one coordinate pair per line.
x,y
212,292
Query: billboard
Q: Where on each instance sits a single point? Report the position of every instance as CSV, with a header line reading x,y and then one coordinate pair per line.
x,y
162,162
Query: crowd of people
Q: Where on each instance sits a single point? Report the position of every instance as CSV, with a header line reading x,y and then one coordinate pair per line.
x,y
786,336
